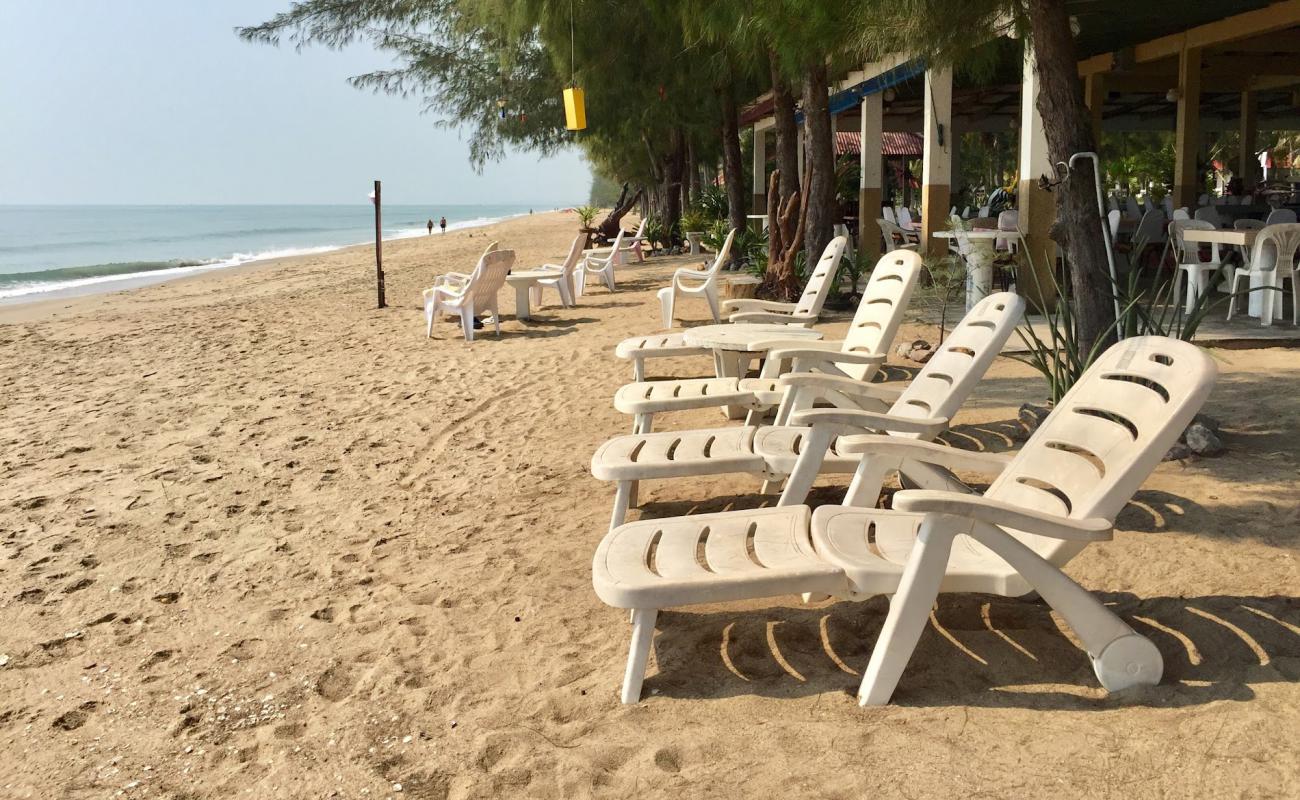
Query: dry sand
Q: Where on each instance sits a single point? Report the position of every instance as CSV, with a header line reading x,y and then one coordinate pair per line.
x,y
261,539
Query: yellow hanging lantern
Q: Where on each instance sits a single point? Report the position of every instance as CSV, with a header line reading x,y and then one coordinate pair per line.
x,y
575,109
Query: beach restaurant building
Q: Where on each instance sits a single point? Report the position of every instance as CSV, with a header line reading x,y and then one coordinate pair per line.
x,y
1191,68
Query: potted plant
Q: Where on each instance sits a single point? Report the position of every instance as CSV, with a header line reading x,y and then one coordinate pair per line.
x,y
694,223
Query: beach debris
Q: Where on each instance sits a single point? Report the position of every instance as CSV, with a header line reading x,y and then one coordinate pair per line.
x,y
1201,439
1179,452
919,351
4,659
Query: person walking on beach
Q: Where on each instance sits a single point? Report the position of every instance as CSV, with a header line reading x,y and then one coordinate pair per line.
x,y
430,227
442,223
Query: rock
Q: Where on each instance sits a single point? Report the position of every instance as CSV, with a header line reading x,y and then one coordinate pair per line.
x,y
1031,416
903,349
920,356
1179,452
1202,441
1207,421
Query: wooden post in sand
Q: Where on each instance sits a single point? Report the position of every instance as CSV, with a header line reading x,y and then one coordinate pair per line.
x,y
379,247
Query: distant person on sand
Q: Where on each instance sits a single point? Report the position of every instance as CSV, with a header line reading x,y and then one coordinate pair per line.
x,y
442,223
430,227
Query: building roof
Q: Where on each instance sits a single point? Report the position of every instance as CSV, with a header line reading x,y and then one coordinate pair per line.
x,y
909,145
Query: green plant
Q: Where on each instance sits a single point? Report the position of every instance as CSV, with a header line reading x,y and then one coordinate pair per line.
x,y
586,214
716,234
852,268
694,220
655,233
945,283
712,202
750,247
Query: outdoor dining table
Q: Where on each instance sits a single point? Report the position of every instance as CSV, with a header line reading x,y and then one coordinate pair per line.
x,y
525,283
735,344
979,278
1261,303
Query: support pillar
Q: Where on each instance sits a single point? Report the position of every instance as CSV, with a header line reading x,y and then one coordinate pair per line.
x,y
1036,205
870,171
936,171
1187,131
1248,164
759,203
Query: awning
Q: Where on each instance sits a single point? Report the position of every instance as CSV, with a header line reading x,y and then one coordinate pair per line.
x,y
844,100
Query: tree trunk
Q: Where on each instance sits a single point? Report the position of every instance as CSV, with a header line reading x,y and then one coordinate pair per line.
x,y
787,133
733,168
674,163
1068,129
608,227
819,143
690,177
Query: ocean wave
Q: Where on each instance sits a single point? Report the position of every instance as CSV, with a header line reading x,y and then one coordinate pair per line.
x,y
25,284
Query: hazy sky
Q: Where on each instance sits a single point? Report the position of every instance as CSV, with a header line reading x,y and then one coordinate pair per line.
x,y
157,101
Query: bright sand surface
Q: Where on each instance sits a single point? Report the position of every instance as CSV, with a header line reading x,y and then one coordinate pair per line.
x,y
262,539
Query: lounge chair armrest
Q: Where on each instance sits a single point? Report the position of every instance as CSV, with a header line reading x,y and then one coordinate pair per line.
x,y
692,274
772,316
449,292
843,385
940,455
1004,515
750,304
868,420
800,354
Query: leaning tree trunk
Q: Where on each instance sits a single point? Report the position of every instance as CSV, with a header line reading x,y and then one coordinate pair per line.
x,y
733,169
786,223
608,228
1068,130
819,142
671,173
787,132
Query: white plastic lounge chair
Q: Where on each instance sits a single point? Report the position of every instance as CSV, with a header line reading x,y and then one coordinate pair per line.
x,y
1273,260
638,349
1058,494
476,296
802,452
864,348
808,308
457,279
705,285
600,266
1280,216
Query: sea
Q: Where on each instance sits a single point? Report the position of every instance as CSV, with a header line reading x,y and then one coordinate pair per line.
x,y
56,251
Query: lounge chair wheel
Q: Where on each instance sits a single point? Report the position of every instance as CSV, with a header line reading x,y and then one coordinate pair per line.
x,y
1128,661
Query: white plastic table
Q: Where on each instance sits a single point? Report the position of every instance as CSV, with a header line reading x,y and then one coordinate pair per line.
x,y
525,283
1261,303
734,344
979,281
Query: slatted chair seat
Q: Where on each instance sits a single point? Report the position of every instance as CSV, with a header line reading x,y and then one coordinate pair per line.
x,y
671,454
660,345
710,558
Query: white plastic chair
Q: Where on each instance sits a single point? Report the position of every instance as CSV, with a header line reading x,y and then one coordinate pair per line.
x,y
476,296
563,281
1008,220
904,216
1248,224
898,238
601,266
1272,262
706,285
1167,203
1203,200
1210,214
808,308
457,279
887,212
1059,493
1131,208
1280,216
1190,266
1150,231
1181,213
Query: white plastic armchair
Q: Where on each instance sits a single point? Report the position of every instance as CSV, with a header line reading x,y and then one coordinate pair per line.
x,y
1196,272
601,266
476,296
563,281
695,283
1273,260
896,238
455,279
809,306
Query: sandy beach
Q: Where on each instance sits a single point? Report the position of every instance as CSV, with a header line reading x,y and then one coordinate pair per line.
x,y
261,539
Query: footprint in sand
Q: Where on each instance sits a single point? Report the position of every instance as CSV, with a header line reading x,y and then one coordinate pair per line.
x,y
335,683
71,720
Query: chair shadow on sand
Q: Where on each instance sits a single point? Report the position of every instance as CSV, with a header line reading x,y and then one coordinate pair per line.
x,y
978,649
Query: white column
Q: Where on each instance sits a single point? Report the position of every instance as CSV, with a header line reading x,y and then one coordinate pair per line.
x,y
870,172
760,171
936,171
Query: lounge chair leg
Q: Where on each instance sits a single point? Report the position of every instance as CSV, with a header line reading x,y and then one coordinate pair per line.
x,y
805,471
908,611
643,632
771,486
632,494
666,309
622,498
868,480
642,423
638,369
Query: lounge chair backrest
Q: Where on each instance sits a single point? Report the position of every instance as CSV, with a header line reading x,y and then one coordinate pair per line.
x,y
640,230
1280,216
1275,248
490,276
1176,229
820,279
1106,435
894,235
952,373
880,312
724,252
